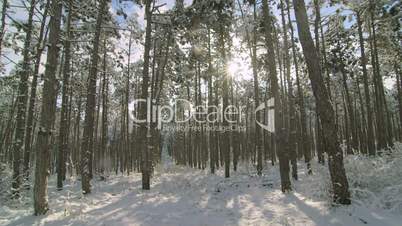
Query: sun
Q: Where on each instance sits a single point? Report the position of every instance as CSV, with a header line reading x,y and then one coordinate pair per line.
x,y
239,69
234,69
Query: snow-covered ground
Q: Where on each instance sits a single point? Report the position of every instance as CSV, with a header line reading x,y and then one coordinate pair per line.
x,y
184,196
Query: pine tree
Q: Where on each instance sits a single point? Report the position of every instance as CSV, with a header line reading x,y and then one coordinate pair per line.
x,y
33,92
326,113
21,103
48,113
87,143
279,127
144,132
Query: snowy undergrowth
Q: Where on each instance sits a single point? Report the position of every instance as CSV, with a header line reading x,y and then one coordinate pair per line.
x,y
192,197
5,192
377,181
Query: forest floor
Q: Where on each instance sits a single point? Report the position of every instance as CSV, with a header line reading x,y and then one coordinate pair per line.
x,y
191,197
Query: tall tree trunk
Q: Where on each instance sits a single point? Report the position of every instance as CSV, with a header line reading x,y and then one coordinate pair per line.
x,y
3,22
8,128
279,130
225,89
363,62
319,140
211,138
144,132
104,128
87,143
291,132
126,110
63,132
399,97
48,113
95,148
252,47
362,122
351,117
324,108
32,98
21,104
382,118
76,154
303,127
257,130
318,26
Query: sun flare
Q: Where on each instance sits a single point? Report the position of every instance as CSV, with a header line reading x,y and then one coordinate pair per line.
x,y
239,69
233,69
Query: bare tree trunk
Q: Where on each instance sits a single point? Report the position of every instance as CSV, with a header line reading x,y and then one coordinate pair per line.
x,y
76,150
291,132
95,148
63,133
399,97
279,130
32,98
324,108
363,59
362,122
104,128
303,127
257,130
48,113
3,22
321,49
144,132
70,143
384,139
211,138
21,104
87,143
8,130
225,89
252,46
351,118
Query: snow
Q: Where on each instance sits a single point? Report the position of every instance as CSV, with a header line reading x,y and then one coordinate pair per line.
x,y
192,197
376,182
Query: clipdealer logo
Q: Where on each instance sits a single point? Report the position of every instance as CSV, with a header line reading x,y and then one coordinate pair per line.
x,y
269,107
205,115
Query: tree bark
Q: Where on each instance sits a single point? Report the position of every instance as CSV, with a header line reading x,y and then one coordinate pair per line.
x,y
48,113
303,122
22,99
225,89
211,138
3,22
32,98
279,130
144,131
257,130
384,140
351,117
63,132
324,108
87,143
399,97
104,127
363,62
291,131
8,130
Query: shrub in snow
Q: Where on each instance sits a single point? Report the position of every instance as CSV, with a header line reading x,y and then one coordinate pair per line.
x,y
376,181
318,184
5,182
